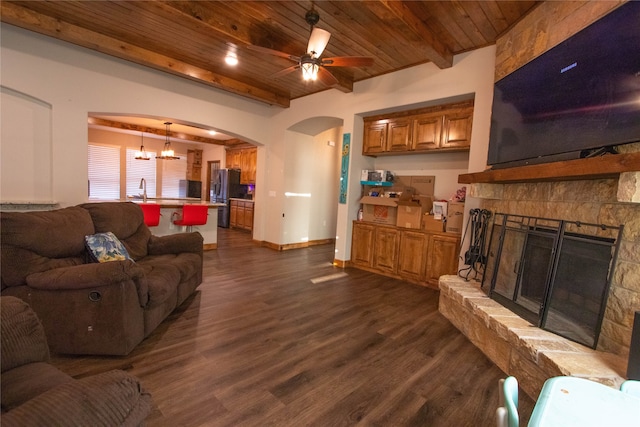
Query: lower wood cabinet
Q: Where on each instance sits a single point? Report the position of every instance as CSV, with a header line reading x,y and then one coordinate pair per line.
x,y
417,256
241,214
386,242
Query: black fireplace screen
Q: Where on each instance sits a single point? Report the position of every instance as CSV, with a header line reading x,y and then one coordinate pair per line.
x,y
553,273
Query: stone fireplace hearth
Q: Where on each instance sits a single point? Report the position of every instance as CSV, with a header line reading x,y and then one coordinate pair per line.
x,y
515,345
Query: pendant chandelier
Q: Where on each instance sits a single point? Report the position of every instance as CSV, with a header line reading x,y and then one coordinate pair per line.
x,y
142,154
167,152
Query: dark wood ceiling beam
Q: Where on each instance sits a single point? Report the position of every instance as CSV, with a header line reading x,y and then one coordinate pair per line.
x,y
434,50
33,21
96,121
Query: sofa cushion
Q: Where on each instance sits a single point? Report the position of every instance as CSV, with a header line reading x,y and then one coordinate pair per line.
x,y
39,241
161,280
112,398
105,247
186,263
22,336
125,220
22,384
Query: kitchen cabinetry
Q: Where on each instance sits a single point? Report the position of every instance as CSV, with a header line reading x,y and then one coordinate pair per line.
x,y
244,159
241,214
433,129
417,256
194,165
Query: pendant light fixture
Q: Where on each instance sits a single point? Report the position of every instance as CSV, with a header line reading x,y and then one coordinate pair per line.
x,y
167,152
142,154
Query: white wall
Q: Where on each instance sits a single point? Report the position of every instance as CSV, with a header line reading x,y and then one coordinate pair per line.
x,y
76,81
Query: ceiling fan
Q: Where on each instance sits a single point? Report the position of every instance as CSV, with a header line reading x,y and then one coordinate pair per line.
x,y
311,63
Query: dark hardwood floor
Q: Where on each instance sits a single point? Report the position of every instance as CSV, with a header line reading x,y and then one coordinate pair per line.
x,y
286,339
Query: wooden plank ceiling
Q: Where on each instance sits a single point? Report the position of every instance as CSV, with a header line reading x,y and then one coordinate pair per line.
x,y
191,38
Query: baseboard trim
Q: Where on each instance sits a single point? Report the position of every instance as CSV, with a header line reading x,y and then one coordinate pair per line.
x,y
209,246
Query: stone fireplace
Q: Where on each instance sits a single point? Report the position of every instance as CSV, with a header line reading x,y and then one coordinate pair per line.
x,y
516,345
553,273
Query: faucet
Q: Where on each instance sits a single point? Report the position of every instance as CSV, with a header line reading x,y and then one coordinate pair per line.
x,y
143,185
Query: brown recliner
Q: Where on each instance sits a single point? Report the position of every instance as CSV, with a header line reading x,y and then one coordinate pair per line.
x,y
35,393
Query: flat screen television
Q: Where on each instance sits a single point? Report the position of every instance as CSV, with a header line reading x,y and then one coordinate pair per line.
x,y
576,100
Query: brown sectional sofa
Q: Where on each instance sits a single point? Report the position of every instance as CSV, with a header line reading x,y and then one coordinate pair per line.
x,y
96,308
35,393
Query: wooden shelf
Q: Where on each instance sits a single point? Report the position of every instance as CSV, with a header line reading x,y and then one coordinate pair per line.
x,y
608,166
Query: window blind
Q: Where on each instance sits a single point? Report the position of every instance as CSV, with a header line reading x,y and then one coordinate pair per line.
x,y
104,172
172,172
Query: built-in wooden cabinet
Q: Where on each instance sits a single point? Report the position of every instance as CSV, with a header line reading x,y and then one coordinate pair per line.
x,y
439,128
386,242
443,256
418,256
244,159
412,255
362,244
241,214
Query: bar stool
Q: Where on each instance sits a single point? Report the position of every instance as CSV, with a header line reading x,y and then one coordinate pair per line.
x,y
151,213
193,215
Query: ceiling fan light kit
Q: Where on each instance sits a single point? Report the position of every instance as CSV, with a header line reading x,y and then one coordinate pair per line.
x,y
312,65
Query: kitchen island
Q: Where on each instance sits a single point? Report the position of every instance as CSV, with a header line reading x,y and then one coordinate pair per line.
x,y
171,209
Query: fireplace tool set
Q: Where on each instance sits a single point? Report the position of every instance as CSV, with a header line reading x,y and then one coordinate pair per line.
x,y
475,257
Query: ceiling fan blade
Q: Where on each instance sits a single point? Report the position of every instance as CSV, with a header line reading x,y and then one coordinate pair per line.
x,y
274,52
348,61
326,77
317,42
284,72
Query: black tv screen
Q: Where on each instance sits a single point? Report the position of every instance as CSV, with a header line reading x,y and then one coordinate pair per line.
x,y
574,99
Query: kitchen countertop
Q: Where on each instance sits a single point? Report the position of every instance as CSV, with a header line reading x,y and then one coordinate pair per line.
x,y
175,203
242,200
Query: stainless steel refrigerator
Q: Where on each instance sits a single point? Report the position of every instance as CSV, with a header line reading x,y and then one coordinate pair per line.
x,y
225,184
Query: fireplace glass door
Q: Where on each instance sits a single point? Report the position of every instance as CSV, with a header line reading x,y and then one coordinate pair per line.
x,y
553,273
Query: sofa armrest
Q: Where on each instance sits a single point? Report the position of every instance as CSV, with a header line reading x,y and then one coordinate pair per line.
x,y
23,337
88,276
176,243
85,276
113,398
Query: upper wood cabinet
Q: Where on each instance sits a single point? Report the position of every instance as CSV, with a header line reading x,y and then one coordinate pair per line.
x,y
244,159
440,128
375,137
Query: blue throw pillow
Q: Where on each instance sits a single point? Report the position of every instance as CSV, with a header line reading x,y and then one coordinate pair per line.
x,y
105,247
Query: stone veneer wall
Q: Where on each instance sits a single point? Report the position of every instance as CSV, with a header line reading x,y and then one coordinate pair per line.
x,y
550,23
588,201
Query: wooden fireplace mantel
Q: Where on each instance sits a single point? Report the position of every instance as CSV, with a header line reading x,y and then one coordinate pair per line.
x,y
608,166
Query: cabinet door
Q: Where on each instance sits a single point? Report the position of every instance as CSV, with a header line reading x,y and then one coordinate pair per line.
x,y
386,249
456,132
362,244
399,135
442,257
427,131
248,166
233,215
375,137
412,258
233,159
248,216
